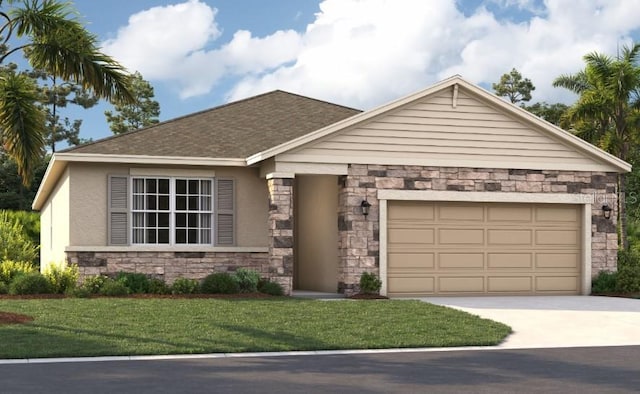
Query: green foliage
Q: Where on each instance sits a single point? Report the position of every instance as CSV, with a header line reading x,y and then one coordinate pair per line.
x,y
247,280
15,244
13,194
514,87
158,286
220,283
94,284
185,286
628,277
4,288
62,278
113,288
79,292
9,269
132,116
272,288
136,283
552,113
605,282
369,283
31,283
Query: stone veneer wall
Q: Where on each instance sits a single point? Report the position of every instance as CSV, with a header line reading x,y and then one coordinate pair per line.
x,y
280,224
359,235
168,265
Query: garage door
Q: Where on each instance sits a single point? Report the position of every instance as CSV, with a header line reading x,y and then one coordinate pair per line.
x,y
482,248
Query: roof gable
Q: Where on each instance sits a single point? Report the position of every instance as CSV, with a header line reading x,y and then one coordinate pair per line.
x,y
454,123
234,130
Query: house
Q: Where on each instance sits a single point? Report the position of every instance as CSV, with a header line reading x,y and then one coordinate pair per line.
x,y
464,193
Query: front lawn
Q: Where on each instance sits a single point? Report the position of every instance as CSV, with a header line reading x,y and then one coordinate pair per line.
x,y
124,326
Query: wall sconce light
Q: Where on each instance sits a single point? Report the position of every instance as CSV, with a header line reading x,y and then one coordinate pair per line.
x,y
606,211
365,207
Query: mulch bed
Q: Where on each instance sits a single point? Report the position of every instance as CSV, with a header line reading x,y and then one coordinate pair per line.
x,y
14,318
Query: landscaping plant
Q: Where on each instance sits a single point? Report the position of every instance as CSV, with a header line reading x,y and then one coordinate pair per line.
x,y
369,283
62,278
136,283
220,283
185,286
272,288
15,244
605,282
247,280
9,269
31,283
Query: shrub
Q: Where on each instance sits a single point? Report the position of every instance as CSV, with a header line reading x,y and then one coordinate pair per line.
x,y
113,288
79,292
628,277
9,269
4,288
61,278
605,282
15,244
272,288
31,283
369,283
94,284
157,286
247,280
137,283
220,283
185,286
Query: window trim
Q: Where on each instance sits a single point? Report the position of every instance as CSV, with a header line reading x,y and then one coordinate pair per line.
x,y
172,211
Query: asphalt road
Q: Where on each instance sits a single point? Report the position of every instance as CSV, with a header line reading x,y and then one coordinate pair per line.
x,y
559,370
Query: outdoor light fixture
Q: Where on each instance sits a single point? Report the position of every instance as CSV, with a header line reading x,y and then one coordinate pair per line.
x,y
365,207
606,211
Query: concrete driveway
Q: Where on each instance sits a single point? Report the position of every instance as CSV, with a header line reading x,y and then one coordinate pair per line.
x,y
557,321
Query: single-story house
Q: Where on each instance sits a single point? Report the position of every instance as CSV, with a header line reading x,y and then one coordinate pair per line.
x,y
447,191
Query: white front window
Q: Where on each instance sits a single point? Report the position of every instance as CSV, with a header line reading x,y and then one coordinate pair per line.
x,y
172,210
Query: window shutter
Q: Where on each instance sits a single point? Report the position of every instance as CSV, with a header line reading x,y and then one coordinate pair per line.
x,y
118,226
225,212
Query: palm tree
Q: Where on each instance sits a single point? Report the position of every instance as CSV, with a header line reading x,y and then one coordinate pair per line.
x,y
52,39
606,111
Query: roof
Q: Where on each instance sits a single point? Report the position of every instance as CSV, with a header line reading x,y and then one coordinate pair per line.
x,y
235,130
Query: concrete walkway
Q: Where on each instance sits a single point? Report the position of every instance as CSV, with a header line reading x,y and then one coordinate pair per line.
x,y
557,321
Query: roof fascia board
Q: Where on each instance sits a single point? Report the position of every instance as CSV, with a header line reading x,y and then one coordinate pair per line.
x,y
141,159
47,180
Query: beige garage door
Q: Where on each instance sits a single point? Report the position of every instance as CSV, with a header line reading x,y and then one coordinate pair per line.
x,y
482,248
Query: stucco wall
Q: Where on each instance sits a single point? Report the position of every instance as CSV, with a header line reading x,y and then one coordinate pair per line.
x,y
316,235
88,199
54,224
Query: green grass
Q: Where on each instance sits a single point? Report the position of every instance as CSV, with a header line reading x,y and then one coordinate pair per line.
x,y
120,326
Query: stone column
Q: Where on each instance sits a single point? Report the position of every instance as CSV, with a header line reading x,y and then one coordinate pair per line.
x,y
281,231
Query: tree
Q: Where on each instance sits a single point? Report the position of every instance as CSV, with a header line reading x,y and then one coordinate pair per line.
x,y
141,113
606,112
53,40
13,194
513,87
552,113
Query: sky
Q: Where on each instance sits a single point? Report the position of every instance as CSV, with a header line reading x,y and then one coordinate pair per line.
x,y
198,54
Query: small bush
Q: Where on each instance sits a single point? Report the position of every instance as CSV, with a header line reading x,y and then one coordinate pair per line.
x,y
15,244
9,269
158,286
628,277
220,283
137,283
113,288
605,282
247,280
4,288
79,292
31,283
369,283
271,288
94,284
185,286
62,278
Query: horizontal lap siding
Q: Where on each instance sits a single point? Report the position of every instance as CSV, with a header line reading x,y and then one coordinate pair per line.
x,y
434,130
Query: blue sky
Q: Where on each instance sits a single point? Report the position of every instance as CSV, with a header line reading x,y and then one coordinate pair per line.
x,y
361,53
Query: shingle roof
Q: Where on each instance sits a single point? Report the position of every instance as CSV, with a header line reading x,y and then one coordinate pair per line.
x,y
234,130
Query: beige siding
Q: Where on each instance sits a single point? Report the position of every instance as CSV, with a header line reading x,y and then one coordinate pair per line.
x,y
88,198
434,132
54,224
316,233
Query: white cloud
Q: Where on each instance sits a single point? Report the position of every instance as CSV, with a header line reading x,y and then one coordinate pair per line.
x,y
364,53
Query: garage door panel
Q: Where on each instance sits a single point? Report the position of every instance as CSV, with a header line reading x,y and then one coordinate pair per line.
x,y
554,213
509,260
461,236
509,213
411,260
461,260
411,285
483,248
557,237
557,284
461,284
510,237
510,284
412,236
466,213
558,260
